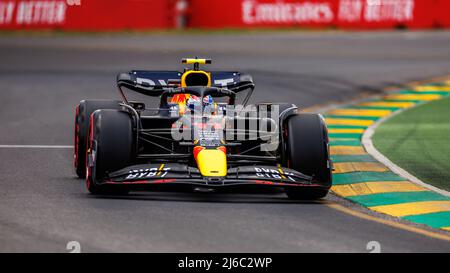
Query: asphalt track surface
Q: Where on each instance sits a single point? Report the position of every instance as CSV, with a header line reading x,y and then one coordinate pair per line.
x,y
43,205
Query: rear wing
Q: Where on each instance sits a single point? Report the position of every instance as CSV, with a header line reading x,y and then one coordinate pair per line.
x,y
154,83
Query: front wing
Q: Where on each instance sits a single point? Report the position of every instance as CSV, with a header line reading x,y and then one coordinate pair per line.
x,y
179,174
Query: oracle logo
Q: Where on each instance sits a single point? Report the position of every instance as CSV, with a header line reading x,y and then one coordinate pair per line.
x,y
254,12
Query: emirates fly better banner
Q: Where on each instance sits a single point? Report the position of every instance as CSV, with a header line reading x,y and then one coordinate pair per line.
x,y
319,13
32,13
299,12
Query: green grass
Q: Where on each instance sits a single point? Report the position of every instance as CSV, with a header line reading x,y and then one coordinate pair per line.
x,y
418,140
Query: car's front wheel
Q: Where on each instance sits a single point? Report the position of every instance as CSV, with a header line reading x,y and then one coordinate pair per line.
x,y
82,114
307,152
110,148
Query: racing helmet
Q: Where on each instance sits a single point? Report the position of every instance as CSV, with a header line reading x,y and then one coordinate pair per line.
x,y
195,103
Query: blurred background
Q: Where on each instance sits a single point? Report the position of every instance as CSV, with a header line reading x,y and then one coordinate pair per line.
x,y
115,15
307,52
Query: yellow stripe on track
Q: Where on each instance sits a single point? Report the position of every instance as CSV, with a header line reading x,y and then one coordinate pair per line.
x,y
346,131
360,112
430,88
387,104
375,187
446,228
348,167
413,208
412,97
340,121
347,150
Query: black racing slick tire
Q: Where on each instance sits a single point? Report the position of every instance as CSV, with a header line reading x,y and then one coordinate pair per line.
x,y
308,153
82,114
110,148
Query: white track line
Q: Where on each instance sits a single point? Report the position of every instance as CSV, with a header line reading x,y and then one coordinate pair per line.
x,y
370,148
36,146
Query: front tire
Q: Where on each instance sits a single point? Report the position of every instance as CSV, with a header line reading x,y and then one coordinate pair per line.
x,y
110,148
307,152
83,112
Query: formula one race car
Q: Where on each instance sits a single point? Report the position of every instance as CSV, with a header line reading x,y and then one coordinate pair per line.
x,y
202,135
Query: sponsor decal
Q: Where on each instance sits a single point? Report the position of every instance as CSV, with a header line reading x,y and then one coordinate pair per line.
x,y
151,84
273,173
301,12
224,82
255,12
148,173
73,2
257,122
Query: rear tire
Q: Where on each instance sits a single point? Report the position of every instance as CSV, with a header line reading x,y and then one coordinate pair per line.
x,y
82,115
307,152
110,147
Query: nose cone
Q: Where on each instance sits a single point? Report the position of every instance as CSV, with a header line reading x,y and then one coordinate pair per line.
x,y
211,161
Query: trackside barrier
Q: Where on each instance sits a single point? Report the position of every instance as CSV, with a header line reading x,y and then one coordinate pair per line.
x,y
442,8
117,15
87,15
